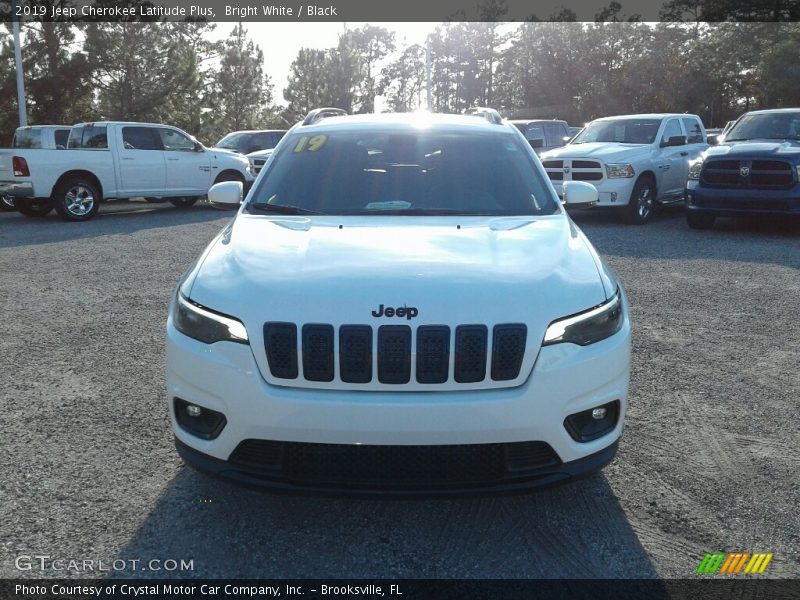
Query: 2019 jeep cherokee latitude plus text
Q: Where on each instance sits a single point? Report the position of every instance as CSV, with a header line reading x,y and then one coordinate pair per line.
x,y
400,305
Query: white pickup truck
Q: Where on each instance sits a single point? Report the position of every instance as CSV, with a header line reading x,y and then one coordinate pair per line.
x,y
634,161
49,137
116,160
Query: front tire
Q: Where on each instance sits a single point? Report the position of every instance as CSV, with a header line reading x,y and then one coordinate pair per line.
x,y
33,207
699,221
7,203
184,202
642,203
77,199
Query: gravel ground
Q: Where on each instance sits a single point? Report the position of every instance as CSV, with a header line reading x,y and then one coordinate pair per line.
x,y
709,459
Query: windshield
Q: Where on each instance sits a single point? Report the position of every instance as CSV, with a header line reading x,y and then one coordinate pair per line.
x,y
403,173
766,126
623,131
232,141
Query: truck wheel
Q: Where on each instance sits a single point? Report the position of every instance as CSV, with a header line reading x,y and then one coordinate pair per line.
x,y
699,221
33,207
7,203
642,202
184,202
77,199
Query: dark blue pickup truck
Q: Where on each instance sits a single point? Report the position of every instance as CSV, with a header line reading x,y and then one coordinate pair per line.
x,y
754,171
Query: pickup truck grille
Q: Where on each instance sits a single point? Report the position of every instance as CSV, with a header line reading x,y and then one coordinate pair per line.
x,y
748,173
316,353
574,170
258,164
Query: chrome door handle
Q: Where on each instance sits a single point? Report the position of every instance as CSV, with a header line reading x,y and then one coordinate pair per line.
x,y
684,154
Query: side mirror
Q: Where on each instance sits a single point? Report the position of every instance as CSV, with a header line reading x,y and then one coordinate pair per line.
x,y
198,147
566,139
226,195
536,143
253,148
713,140
675,140
579,194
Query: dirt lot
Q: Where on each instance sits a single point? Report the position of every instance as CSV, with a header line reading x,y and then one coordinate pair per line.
x,y
709,459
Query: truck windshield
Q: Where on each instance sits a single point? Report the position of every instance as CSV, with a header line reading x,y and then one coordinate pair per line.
x,y
622,131
403,172
233,141
766,126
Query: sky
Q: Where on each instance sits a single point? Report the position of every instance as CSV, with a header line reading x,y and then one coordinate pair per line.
x,y
281,42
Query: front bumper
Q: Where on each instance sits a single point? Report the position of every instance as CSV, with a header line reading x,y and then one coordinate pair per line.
x,y
280,479
739,202
566,379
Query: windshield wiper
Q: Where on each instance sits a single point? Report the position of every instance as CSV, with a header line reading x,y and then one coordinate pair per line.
x,y
284,209
423,212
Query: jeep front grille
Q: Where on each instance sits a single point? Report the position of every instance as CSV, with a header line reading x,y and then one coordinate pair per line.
x,y
472,354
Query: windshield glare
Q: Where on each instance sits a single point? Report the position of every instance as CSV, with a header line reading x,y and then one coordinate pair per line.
x,y
623,131
404,172
770,126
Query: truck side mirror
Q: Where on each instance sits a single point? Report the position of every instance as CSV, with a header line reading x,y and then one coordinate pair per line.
x,y
226,195
198,147
675,140
579,194
536,143
713,140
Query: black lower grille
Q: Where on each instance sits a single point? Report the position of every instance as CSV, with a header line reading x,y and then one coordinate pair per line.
x,y
280,342
470,362
508,350
392,466
394,354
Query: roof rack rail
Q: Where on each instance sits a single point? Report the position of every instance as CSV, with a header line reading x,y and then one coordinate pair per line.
x,y
489,114
320,113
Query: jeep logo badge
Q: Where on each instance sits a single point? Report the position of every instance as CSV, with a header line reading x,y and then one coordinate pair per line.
x,y
409,312
744,171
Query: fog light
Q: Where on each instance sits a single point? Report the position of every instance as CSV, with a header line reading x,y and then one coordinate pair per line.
x,y
591,424
197,420
613,196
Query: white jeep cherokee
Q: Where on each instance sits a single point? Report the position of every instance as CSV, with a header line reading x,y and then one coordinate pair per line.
x,y
401,305
635,161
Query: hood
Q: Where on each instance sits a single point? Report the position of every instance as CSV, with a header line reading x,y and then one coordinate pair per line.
x,y
778,148
261,153
311,270
605,151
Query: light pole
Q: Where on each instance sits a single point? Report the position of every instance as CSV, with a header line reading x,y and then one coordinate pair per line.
x,y
23,113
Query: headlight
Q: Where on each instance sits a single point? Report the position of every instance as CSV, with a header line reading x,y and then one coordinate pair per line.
x,y
620,170
694,169
587,327
204,325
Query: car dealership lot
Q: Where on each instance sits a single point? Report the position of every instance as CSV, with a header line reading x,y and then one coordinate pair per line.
x,y
709,459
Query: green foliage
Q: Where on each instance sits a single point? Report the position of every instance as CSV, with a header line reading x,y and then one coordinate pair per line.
x,y
170,72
